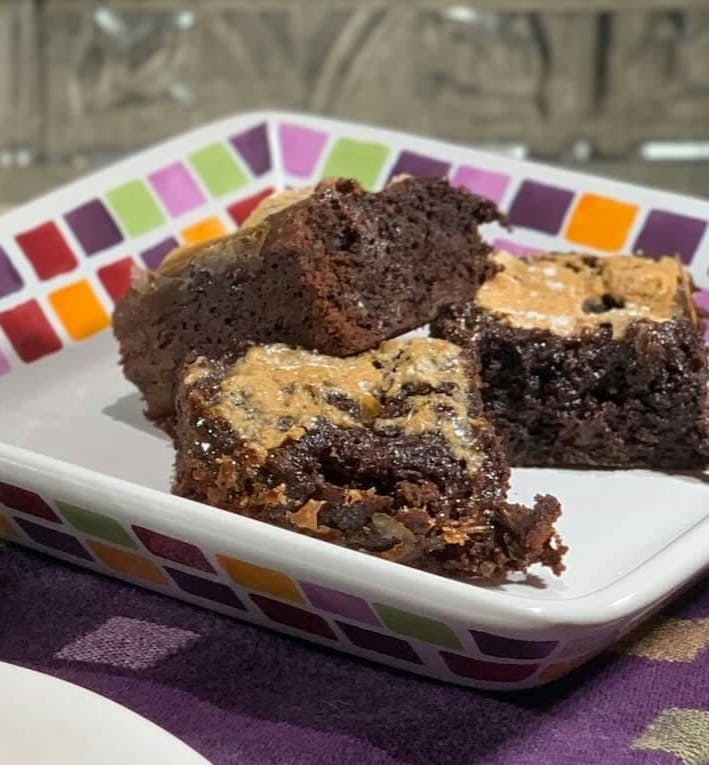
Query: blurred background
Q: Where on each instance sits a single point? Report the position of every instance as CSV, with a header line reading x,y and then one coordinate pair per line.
x,y
619,87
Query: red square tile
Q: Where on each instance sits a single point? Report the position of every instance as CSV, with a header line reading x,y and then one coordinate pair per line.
x,y
27,502
241,210
29,331
115,277
47,250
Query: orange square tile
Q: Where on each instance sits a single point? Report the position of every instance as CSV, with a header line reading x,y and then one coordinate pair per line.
x,y
210,228
601,222
267,580
79,310
128,563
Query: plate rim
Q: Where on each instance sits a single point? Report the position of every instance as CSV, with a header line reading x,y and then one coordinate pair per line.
x,y
657,577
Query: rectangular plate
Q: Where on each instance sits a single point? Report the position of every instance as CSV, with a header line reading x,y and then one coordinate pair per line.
x,y
86,478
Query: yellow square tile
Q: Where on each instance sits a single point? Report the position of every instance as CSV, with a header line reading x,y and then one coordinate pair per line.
x,y
266,580
128,563
79,310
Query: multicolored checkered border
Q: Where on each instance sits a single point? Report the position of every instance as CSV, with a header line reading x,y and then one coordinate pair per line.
x,y
461,653
66,260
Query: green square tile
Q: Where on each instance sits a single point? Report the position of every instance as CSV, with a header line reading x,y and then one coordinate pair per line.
x,y
219,170
406,623
136,208
96,524
356,159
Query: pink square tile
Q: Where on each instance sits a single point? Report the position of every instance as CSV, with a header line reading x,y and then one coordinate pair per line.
x,y
301,148
484,182
177,189
514,247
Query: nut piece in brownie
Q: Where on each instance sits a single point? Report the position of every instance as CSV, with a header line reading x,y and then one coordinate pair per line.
x,y
334,269
383,452
589,361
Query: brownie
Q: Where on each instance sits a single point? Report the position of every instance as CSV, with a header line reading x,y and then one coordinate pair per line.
x,y
589,361
385,452
335,269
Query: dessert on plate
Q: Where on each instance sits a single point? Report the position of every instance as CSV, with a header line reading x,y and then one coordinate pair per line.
x,y
384,452
589,361
334,269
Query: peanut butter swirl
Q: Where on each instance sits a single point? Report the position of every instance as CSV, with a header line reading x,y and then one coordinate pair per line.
x,y
275,393
568,293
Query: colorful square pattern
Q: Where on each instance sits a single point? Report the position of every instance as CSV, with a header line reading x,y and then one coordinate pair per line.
x,y
375,630
192,196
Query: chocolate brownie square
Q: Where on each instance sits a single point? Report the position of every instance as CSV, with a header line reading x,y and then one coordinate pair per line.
x,y
589,361
335,269
384,452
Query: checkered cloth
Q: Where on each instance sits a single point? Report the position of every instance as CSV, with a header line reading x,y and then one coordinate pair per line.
x,y
240,694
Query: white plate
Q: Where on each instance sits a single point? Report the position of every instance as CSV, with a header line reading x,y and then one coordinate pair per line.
x,y
79,436
72,432
46,721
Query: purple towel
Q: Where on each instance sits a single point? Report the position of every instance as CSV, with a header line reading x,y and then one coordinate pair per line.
x,y
241,694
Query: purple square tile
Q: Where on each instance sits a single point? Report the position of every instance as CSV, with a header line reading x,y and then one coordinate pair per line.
x,y
514,247
94,227
154,256
540,207
667,233
254,149
336,602
510,648
291,616
4,364
205,588
409,163
301,148
484,182
10,280
375,641
177,189
57,540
